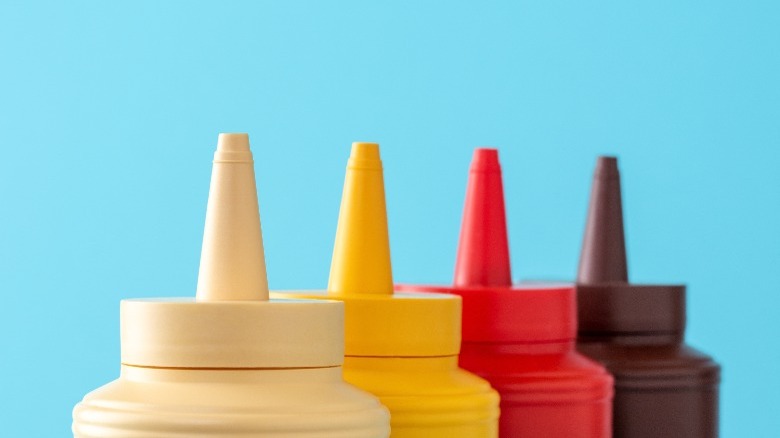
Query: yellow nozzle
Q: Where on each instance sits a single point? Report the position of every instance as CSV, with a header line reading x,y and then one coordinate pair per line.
x,y
361,255
232,262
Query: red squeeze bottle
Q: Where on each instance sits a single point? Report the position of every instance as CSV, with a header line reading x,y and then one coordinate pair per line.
x,y
521,338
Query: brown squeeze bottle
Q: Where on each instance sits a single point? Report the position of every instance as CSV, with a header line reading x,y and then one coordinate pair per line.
x,y
663,388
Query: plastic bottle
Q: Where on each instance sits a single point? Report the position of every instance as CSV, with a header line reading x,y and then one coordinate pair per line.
x,y
230,363
663,388
521,338
401,347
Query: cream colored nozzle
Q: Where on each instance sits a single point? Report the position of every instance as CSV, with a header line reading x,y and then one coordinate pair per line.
x,y
232,262
361,255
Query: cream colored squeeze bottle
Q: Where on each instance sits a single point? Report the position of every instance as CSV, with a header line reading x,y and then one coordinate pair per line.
x,y
231,363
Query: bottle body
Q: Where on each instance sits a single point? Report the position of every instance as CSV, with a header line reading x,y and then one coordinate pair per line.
x,y
662,386
428,397
211,403
547,389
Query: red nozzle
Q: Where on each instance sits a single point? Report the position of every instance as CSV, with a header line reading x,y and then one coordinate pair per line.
x,y
483,251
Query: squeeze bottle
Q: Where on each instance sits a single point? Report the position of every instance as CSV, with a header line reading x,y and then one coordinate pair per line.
x,y
521,338
401,347
231,362
663,388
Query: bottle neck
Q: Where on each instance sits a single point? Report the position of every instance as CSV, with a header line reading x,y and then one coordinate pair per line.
x,y
401,364
518,348
671,338
240,375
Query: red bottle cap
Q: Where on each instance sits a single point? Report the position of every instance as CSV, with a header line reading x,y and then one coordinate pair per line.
x,y
494,309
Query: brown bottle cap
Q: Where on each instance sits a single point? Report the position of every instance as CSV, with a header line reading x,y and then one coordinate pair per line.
x,y
607,302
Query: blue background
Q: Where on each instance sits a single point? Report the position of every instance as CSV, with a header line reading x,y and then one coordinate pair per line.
x,y
109,114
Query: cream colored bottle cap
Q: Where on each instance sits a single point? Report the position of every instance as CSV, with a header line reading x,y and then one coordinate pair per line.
x,y
232,324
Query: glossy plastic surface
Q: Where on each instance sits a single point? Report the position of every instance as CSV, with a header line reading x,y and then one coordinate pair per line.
x,y
166,403
663,388
521,338
231,363
401,347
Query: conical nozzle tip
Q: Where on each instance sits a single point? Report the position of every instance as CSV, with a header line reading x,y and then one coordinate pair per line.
x,y
485,159
233,142
361,254
232,262
603,258
364,151
483,250
607,166
364,156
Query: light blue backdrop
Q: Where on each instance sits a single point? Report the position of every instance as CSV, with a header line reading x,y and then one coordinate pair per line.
x,y
109,114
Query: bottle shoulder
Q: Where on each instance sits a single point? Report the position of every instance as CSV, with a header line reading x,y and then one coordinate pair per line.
x,y
648,361
230,403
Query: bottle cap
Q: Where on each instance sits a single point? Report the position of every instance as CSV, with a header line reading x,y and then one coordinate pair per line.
x,y
608,303
495,310
379,322
232,324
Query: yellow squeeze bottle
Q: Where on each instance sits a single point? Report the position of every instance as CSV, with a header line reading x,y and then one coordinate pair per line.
x,y
231,363
402,347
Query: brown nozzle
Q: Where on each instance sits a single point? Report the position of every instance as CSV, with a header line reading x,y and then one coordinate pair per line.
x,y
603,258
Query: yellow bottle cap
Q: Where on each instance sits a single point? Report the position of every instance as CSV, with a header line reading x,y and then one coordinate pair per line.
x,y
232,324
379,322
